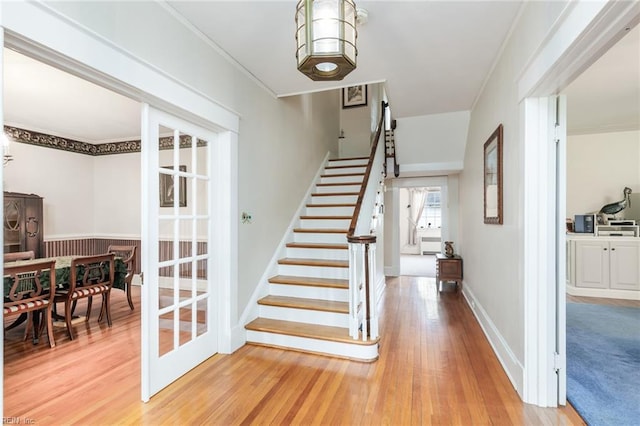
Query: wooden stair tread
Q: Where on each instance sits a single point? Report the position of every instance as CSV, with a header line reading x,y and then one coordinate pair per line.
x,y
312,331
325,217
314,262
321,230
310,281
308,304
319,246
349,158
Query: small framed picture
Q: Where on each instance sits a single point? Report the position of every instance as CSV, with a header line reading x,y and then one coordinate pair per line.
x,y
354,96
167,188
493,178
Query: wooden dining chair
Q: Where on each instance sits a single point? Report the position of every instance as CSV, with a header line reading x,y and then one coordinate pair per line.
x,y
89,276
19,255
33,289
128,255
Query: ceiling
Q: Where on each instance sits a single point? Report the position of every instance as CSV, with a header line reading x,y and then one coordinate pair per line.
x,y
434,59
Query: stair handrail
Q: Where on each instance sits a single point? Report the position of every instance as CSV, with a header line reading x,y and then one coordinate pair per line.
x,y
367,173
362,298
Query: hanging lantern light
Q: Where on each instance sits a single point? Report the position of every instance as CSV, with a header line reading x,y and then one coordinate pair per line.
x,y
326,38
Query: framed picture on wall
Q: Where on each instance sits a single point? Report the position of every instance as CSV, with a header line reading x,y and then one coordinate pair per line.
x,y
354,96
493,178
167,188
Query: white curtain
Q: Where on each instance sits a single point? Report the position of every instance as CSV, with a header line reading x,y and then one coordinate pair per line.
x,y
416,206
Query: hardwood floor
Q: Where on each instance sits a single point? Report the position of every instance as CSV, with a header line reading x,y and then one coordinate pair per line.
x,y
435,367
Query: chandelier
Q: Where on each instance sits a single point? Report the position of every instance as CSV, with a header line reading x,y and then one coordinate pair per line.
x,y
326,38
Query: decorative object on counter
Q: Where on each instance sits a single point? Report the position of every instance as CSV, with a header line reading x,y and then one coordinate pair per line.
x,y
448,248
614,208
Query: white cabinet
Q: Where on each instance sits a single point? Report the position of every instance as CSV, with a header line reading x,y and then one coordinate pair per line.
x,y
605,264
624,266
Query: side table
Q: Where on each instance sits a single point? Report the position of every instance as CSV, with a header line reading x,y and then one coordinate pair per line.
x,y
448,269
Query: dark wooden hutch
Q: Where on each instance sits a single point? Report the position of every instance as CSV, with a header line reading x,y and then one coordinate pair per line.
x,y
23,223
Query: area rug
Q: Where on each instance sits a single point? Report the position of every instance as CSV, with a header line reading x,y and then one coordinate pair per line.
x,y
603,363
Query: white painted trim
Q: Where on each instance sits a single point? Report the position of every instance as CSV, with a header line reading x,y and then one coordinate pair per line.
x,y
585,30
193,29
2,210
608,293
251,310
539,256
44,33
501,348
324,86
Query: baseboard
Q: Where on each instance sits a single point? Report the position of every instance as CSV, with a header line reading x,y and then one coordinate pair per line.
x,y
604,293
390,271
510,364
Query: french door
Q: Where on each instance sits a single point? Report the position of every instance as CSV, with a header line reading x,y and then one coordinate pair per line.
x,y
179,292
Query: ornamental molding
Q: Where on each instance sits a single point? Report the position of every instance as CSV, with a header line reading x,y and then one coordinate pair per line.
x,y
64,144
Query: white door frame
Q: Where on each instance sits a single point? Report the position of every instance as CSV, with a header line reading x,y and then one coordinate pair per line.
x,y
42,33
584,31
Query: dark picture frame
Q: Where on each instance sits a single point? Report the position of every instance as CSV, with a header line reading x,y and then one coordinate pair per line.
x,y
354,96
493,213
167,188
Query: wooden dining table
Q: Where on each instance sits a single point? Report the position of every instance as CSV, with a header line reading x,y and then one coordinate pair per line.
x,y
63,271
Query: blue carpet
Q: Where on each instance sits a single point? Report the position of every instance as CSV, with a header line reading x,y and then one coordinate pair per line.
x,y
603,363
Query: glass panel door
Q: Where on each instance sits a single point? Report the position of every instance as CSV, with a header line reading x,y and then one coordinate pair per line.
x,y
179,292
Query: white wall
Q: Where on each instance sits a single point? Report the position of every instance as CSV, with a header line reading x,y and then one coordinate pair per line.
x,y
432,143
65,180
599,166
493,254
281,142
355,123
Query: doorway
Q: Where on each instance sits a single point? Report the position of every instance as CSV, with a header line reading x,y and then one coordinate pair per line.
x,y
161,93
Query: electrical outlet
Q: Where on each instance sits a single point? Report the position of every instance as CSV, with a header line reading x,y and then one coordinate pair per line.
x,y
246,217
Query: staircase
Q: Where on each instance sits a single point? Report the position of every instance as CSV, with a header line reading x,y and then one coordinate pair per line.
x,y
307,307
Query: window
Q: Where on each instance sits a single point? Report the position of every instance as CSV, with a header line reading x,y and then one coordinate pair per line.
x,y
432,212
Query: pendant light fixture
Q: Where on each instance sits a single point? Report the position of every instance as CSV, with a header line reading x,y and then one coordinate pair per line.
x,y
326,38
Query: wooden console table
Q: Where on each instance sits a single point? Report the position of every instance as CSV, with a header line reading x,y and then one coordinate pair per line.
x,y
448,269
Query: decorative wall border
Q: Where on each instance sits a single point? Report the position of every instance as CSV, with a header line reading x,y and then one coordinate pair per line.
x,y
49,141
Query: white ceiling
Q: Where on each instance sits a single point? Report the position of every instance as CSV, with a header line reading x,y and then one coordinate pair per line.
x,y
433,57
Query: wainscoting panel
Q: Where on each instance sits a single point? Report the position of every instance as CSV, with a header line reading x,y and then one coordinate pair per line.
x,y
88,247
93,246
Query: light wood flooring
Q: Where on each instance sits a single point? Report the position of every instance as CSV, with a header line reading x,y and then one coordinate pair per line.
x,y
435,367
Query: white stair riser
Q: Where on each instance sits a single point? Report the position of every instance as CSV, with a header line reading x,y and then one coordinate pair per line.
x,y
353,351
309,292
335,188
325,223
329,211
307,316
313,271
316,237
326,254
341,179
341,170
334,199
348,161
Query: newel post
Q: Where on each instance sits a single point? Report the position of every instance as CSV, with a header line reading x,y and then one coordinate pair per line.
x,y
362,298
